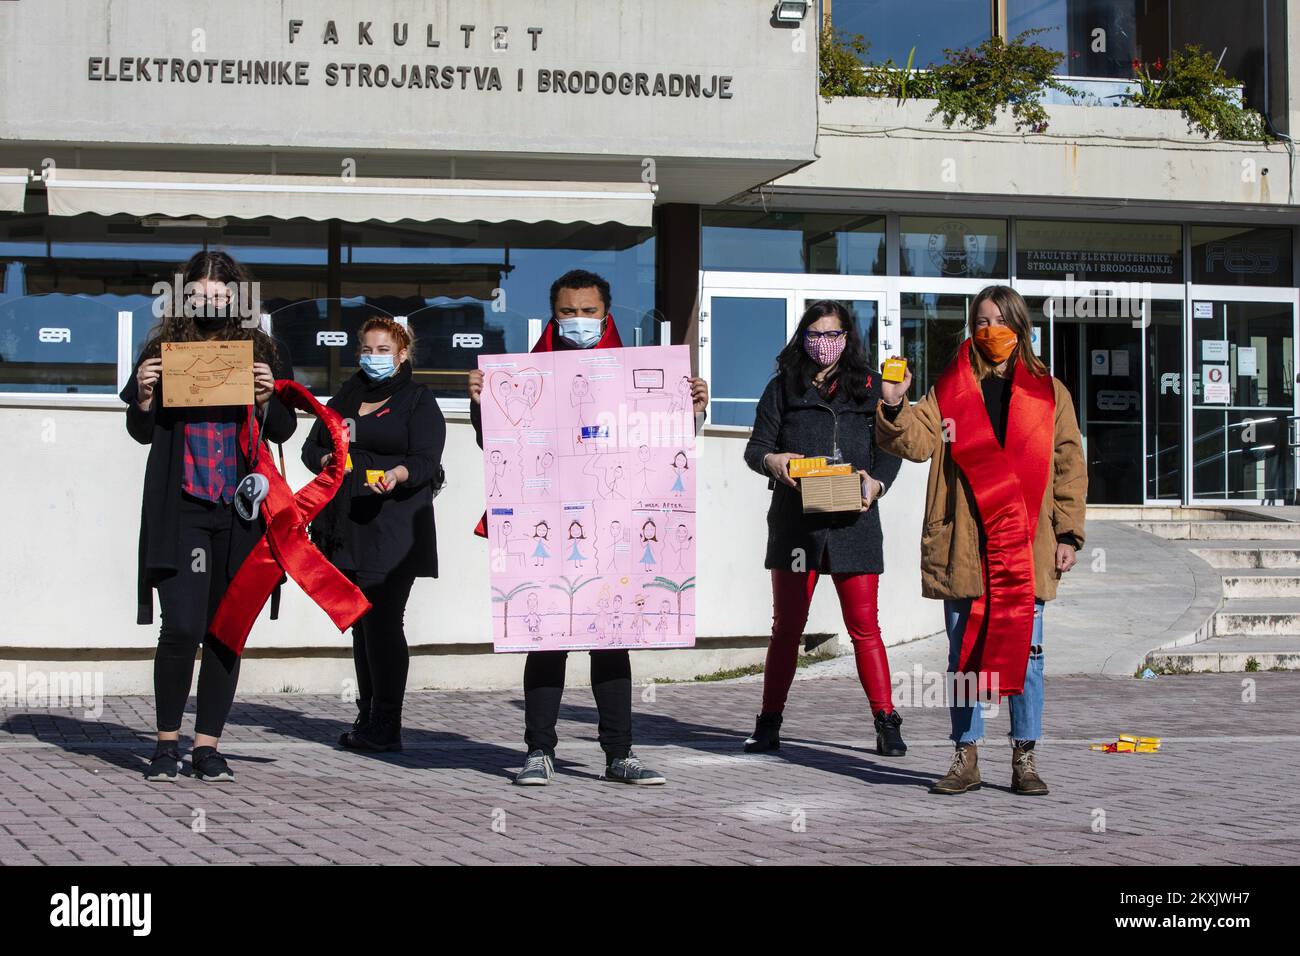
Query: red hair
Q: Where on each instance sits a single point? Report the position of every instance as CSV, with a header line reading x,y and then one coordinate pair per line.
x,y
400,334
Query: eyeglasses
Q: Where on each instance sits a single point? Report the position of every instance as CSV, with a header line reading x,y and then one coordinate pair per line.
x,y
832,334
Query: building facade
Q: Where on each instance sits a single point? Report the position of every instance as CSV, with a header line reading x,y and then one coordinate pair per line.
x,y
444,162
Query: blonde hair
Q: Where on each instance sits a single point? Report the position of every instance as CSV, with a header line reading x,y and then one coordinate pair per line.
x,y
401,335
1015,313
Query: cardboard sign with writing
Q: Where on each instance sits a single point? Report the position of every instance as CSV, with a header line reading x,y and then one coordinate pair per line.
x,y
207,373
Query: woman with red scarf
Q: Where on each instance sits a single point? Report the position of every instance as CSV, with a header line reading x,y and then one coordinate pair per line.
x,y
1004,517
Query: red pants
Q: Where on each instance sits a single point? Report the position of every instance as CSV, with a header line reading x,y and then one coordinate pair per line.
x,y
792,593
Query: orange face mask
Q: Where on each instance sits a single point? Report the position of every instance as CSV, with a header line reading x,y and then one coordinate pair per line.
x,y
996,342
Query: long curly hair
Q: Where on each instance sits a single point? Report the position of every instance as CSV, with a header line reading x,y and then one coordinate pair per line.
x,y
176,326
797,368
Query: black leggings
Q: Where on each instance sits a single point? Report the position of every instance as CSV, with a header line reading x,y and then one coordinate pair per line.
x,y
379,641
188,600
611,684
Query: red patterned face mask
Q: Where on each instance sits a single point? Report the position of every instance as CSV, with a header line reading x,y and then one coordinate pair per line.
x,y
824,350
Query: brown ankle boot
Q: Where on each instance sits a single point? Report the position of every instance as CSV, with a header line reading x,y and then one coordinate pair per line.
x,y
1024,774
963,775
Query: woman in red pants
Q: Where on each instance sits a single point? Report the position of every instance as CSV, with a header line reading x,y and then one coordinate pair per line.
x,y
821,403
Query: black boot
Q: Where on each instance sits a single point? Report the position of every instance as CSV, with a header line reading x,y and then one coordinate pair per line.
x,y
889,739
766,736
358,726
383,734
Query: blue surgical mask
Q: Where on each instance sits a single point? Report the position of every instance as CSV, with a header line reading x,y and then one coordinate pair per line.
x,y
378,367
584,333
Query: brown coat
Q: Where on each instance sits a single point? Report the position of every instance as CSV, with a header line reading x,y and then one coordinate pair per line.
x,y
950,537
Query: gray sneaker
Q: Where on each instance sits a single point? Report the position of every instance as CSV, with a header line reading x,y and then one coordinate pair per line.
x,y
538,770
630,770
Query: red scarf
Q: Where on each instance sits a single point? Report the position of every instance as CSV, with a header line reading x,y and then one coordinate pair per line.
x,y
546,343
285,547
1008,484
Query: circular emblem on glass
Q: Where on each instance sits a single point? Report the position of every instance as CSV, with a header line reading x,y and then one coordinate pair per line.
x,y
952,249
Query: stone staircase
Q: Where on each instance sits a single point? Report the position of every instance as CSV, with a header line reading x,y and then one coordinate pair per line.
x,y
1257,624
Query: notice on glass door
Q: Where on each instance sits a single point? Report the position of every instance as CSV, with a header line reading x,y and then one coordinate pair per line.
x,y
1215,389
1214,350
1119,362
1101,361
1246,361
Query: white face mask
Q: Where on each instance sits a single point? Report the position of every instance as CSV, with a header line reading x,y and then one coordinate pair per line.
x,y
584,333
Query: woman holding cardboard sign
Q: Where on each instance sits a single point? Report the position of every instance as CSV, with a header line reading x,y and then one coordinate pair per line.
x,y
820,404
1003,518
378,530
192,541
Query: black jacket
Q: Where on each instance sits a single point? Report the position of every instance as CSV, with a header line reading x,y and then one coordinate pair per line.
x,y
382,534
809,425
162,429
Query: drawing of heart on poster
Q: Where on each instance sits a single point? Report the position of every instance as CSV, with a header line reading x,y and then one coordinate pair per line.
x,y
517,393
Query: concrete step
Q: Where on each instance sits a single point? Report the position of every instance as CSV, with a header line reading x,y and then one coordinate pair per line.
x,y
1250,554
1231,655
1166,513
1219,530
1257,617
1262,583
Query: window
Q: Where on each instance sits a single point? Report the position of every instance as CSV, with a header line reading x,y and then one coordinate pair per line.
x,y
65,281
748,332
894,27
1241,255
465,288
934,326
1099,38
961,248
757,241
471,288
1099,251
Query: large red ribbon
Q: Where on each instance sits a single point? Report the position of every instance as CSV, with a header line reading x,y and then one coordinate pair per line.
x,y
285,548
1008,484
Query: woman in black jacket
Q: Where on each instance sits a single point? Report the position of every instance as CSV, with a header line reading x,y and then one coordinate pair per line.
x,y
821,403
378,530
191,540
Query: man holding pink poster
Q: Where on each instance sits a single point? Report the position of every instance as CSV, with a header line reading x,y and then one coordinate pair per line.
x,y
590,447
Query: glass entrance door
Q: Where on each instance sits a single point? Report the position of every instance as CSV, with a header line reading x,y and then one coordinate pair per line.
x,y
746,318
1118,349
1098,356
1242,396
741,332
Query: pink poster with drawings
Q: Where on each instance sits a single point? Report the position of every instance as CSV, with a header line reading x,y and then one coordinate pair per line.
x,y
590,470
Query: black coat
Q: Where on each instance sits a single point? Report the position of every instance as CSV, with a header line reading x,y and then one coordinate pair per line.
x,y
808,425
162,429
378,535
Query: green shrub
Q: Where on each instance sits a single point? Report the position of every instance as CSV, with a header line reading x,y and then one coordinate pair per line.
x,y
1192,82
974,85
971,87
839,61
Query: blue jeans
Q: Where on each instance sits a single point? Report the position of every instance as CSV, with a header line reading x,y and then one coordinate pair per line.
x,y
1026,708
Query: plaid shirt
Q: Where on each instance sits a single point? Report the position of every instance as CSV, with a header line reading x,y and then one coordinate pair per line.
x,y
211,471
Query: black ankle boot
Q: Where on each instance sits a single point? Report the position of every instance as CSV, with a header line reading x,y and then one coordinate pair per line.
x,y
889,739
358,726
383,733
766,736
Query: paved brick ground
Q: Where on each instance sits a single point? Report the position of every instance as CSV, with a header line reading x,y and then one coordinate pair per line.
x,y
1224,790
